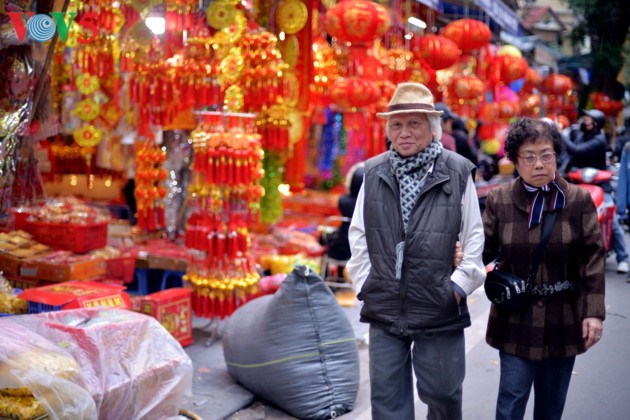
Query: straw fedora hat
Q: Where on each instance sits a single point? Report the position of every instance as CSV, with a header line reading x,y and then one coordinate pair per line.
x,y
410,98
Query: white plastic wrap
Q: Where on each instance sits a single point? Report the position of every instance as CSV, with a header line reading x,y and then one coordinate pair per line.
x,y
129,364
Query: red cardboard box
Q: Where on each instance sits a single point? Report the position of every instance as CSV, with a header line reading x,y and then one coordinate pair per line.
x,y
75,294
172,307
87,269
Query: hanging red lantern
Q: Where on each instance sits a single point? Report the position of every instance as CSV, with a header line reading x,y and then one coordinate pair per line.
x,y
439,52
507,68
371,68
466,87
468,34
357,21
487,112
425,74
609,107
530,105
354,92
554,104
557,84
507,110
532,81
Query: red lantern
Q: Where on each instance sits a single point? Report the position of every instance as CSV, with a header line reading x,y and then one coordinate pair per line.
x,y
507,68
439,52
487,113
371,68
530,105
357,21
468,34
507,110
557,84
353,92
466,87
532,81
425,74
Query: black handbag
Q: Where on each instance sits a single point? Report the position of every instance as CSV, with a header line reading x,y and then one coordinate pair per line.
x,y
507,290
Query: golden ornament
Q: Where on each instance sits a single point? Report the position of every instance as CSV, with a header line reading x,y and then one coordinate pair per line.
x,y
87,110
291,88
87,84
296,126
87,136
234,99
290,50
231,67
291,16
220,14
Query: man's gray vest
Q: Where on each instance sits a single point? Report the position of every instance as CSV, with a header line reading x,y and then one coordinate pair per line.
x,y
423,300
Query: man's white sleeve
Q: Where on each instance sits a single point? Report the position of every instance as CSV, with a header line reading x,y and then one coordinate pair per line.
x,y
359,264
471,273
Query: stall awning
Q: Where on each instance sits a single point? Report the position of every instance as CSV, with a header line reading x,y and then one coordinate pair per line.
x,y
523,43
503,15
433,4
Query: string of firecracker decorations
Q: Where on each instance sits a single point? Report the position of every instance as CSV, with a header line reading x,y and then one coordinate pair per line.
x,y
225,195
149,191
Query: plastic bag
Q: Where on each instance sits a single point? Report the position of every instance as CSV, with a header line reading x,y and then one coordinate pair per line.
x,y
296,349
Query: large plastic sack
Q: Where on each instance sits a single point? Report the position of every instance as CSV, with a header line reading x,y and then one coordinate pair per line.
x,y
295,349
131,367
38,376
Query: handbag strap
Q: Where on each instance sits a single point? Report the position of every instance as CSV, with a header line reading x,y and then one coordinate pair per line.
x,y
549,221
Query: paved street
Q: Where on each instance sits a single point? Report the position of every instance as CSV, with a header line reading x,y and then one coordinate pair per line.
x,y
600,387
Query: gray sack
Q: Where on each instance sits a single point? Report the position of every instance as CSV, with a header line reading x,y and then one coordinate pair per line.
x,y
295,349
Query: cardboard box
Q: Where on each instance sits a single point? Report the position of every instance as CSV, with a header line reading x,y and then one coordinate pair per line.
x,y
166,263
24,283
10,264
173,309
75,294
80,270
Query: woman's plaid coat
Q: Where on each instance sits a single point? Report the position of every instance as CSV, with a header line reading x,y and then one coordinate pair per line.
x,y
552,326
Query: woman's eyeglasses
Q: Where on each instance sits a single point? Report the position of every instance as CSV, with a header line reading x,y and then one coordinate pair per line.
x,y
531,159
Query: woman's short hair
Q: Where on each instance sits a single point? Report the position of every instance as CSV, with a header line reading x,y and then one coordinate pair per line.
x,y
531,130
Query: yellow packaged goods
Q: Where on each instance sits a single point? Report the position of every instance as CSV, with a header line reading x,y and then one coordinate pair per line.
x,y
20,408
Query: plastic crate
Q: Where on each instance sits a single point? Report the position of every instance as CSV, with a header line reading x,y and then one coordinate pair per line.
x,y
75,238
120,268
36,307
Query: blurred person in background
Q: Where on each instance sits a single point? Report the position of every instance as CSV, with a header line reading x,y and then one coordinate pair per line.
x,y
586,147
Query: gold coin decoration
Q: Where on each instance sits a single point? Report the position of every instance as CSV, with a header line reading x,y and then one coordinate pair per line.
x,y
234,99
291,16
290,50
296,122
220,14
87,136
291,90
87,84
231,67
237,28
87,109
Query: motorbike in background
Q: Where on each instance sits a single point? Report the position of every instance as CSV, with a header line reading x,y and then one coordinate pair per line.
x,y
591,179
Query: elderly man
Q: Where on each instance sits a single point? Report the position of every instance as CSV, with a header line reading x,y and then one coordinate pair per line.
x,y
416,202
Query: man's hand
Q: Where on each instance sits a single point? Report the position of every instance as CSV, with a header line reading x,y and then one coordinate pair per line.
x,y
458,254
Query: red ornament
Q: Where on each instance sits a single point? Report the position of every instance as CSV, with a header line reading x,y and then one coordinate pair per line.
x,y
507,110
557,84
532,81
466,87
530,105
468,34
357,21
438,51
354,92
507,68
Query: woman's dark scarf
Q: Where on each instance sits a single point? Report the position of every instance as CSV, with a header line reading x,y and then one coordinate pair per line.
x,y
538,201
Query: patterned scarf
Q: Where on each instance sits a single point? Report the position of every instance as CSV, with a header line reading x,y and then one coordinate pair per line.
x,y
409,172
538,202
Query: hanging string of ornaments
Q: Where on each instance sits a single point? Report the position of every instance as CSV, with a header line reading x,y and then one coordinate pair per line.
x,y
225,195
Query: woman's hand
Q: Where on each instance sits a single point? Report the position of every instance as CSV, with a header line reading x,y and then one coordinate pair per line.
x,y
592,329
458,254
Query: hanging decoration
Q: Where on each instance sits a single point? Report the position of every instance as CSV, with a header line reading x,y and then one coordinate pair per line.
x,y
437,51
225,196
150,190
357,21
468,34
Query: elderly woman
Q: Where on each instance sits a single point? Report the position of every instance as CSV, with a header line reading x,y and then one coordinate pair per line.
x,y
416,201
565,302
